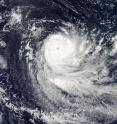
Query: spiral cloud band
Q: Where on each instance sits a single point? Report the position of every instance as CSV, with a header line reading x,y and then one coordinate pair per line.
x,y
64,53
73,73
61,70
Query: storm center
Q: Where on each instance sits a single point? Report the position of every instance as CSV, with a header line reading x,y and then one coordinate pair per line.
x,y
59,50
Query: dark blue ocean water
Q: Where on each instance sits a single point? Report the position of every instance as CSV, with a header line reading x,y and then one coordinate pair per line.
x,y
15,80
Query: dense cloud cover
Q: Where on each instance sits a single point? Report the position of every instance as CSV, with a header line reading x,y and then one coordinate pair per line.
x,y
58,62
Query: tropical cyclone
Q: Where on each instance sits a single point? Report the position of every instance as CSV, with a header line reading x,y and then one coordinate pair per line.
x,y
64,54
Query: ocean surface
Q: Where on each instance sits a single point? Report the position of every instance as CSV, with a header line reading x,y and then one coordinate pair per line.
x,y
58,62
